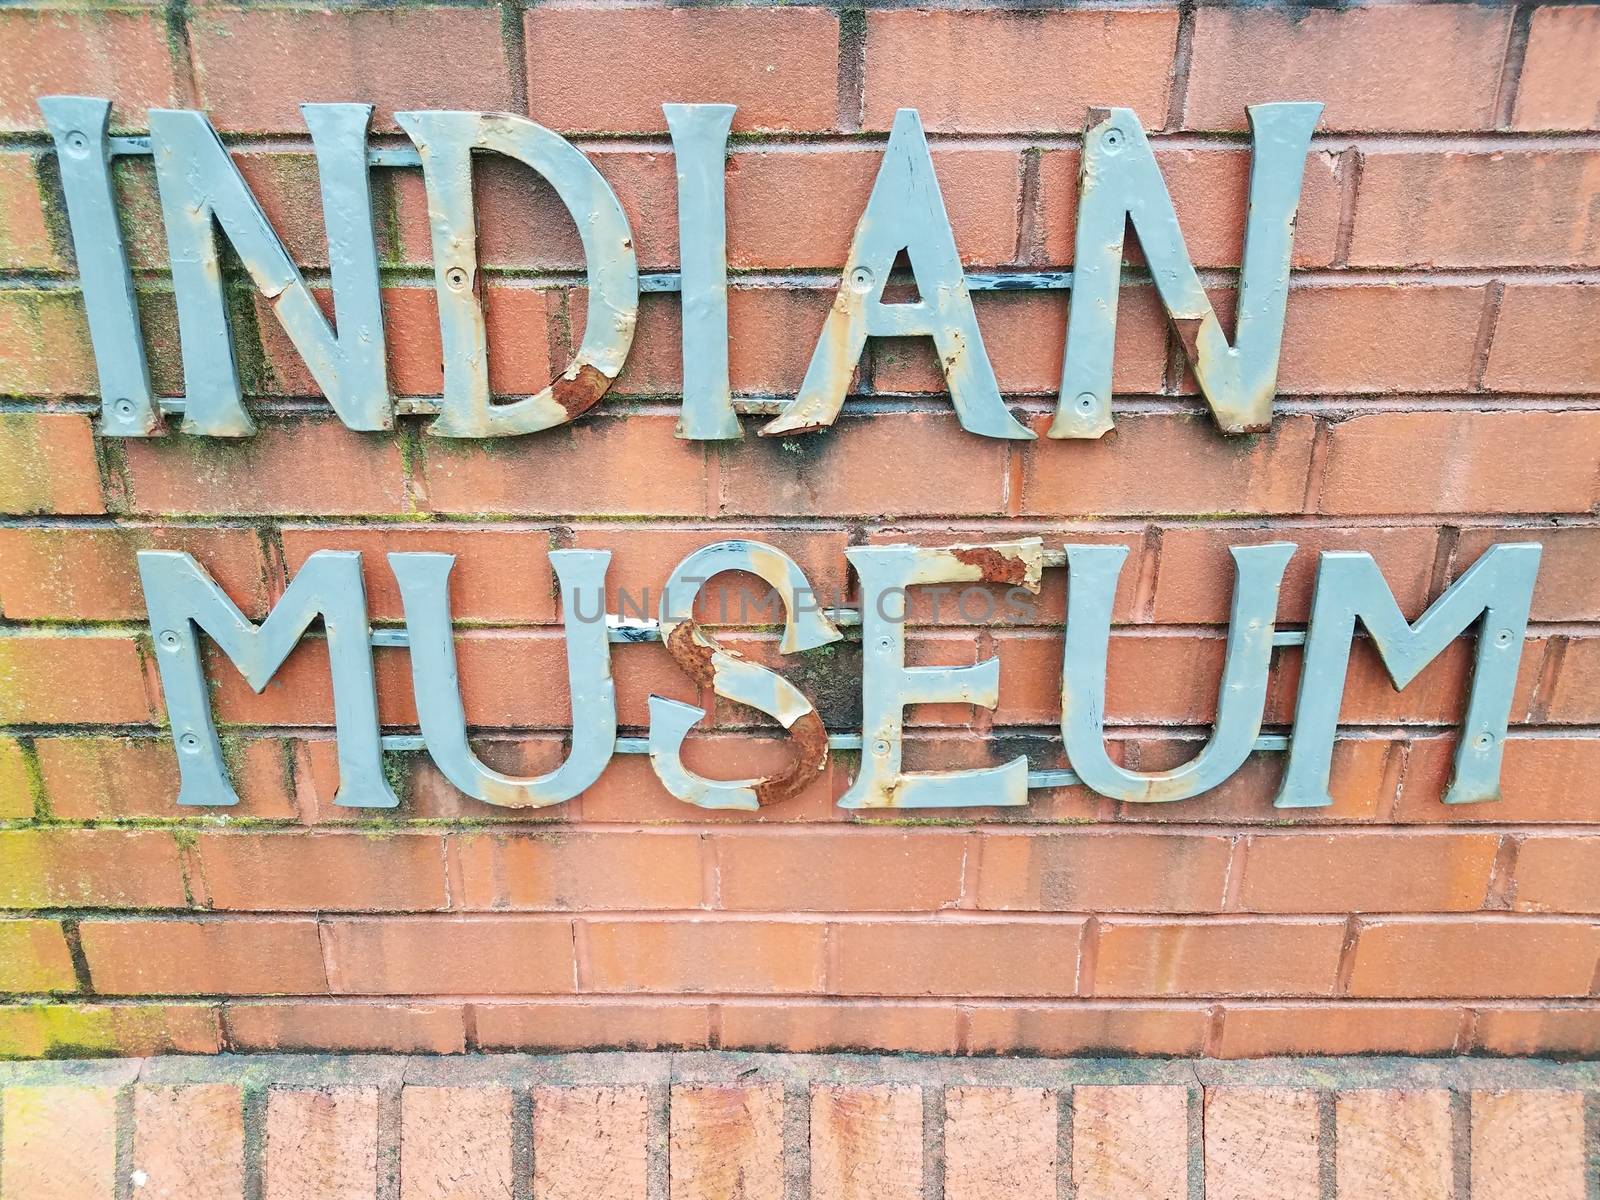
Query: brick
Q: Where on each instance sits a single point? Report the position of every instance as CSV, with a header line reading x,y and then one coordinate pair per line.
x,y
293,465
455,1143
866,1143
449,956
704,956
36,673
254,66
322,1144
60,1143
838,870
122,56
788,209
590,1143
1002,72
323,871
1358,872
593,1022
1528,1143
1130,1141
1539,343
630,465
805,1028
1568,586
1360,63
1024,334
1477,210
989,958
564,871
108,1030
1378,338
93,574
866,466
1210,191
1557,874
188,1142
34,957
1195,576
999,1142
1543,1030
1573,698
1394,1145
1256,958
1535,782
1102,872
348,1026
1440,462
1479,957
48,338
90,868
50,464
25,240
108,778
499,575
1261,1144
1266,1031
17,787
1090,1029
1557,89
203,957
1200,471
725,1141
778,66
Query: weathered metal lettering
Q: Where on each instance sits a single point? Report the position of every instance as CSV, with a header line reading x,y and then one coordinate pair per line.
x,y
1118,183
201,188
731,675
1496,591
179,595
447,142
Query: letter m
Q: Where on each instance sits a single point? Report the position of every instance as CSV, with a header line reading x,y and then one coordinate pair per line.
x,y
181,597
1497,590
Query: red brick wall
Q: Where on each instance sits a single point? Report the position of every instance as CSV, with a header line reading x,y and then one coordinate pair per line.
x,y
1439,393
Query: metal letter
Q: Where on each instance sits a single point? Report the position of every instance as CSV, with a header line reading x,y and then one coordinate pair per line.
x,y
1241,698
733,676
179,595
83,151
446,141
425,594
1498,588
1118,182
905,212
199,185
888,685
699,146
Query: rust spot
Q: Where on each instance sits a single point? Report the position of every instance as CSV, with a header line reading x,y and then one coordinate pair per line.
x,y
1189,334
810,757
691,652
578,396
993,566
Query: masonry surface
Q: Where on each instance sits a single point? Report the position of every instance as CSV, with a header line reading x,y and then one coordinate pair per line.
x,y
1438,394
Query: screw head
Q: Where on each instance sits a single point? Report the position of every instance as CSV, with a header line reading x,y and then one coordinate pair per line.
x,y
124,409
1503,638
189,742
77,144
880,747
169,638
885,643
1111,141
1483,741
456,278
861,280
1086,402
